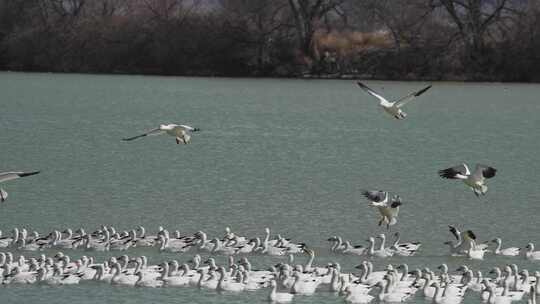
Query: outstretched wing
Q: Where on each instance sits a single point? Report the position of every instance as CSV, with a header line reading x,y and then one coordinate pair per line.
x,y
383,100
454,231
155,131
6,176
483,172
396,202
189,128
404,100
376,196
457,172
3,195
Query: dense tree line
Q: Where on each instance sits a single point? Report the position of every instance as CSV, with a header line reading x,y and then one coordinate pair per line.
x,y
390,39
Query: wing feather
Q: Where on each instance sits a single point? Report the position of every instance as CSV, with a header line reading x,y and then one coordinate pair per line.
x,y
483,172
156,131
404,100
6,176
457,172
373,93
376,196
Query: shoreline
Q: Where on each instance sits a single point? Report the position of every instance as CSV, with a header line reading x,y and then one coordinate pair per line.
x,y
304,76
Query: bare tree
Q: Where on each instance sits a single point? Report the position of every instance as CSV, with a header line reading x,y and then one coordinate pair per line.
x,y
258,24
473,19
307,15
404,20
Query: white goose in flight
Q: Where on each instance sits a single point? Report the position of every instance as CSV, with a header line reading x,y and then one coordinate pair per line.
x,y
7,176
475,180
389,209
394,108
182,133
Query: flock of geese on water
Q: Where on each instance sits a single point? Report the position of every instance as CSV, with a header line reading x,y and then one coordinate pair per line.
x,y
107,238
285,280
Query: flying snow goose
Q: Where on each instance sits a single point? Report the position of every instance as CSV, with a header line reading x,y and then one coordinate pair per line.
x,y
180,132
389,209
7,176
394,108
475,180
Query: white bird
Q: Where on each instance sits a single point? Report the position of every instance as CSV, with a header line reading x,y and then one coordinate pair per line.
x,y
462,246
388,210
441,298
143,282
356,297
530,254
394,108
337,243
386,294
228,285
475,252
305,284
279,297
532,295
404,249
7,176
172,281
354,250
377,253
510,251
180,132
475,180
497,299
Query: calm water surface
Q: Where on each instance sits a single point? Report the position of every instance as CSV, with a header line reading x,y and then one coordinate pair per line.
x,y
292,155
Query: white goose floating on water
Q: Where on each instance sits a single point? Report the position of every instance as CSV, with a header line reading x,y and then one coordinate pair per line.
x,y
475,180
395,284
510,251
182,133
7,176
279,297
404,249
389,210
394,108
530,254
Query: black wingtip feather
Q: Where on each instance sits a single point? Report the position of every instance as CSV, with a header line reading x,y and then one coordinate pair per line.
x,y
489,172
395,204
363,86
134,137
448,173
422,91
29,173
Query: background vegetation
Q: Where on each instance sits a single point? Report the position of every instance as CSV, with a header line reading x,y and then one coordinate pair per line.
x,y
386,39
